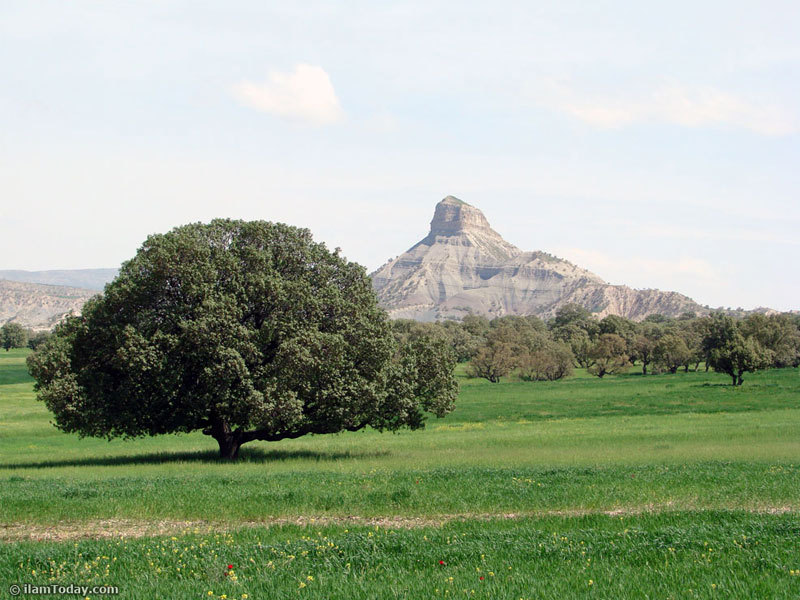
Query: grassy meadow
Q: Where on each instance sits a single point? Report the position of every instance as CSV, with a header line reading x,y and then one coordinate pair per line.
x,y
626,487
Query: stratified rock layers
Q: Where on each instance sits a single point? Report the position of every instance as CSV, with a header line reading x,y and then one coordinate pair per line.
x,y
39,306
463,266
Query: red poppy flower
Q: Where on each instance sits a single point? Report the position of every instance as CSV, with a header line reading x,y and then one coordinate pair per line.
x,y
441,562
230,566
481,577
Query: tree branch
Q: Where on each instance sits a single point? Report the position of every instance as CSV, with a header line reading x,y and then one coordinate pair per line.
x,y
265,435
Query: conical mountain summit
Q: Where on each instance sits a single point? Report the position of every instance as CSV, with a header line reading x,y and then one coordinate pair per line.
x,y
463,266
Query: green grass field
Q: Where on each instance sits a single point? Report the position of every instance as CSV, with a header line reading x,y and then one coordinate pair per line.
x,y
626,487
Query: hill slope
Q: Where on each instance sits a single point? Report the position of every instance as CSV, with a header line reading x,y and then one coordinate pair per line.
x,y
464,266
39,306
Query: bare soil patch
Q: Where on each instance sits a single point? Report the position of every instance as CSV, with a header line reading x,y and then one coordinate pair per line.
x,y
126,528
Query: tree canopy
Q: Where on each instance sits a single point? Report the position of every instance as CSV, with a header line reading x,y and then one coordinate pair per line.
x,y
730,351
245,331
13,335
670,352
609,354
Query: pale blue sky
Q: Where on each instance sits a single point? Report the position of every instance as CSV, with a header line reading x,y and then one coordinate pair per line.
x,y
657,144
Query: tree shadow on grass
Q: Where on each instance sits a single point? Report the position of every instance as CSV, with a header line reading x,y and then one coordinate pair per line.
x,y
247,455
716,384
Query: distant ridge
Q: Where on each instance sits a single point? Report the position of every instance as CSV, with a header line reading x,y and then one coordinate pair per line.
x,y
39,306
463,266
90,279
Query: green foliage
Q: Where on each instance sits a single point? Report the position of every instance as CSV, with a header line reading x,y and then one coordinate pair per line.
x,y
618,325
777,333
13,335
38,339
670,352
650,330
519,342
243,330
573,325
729,351
609,355
571,313
464,343
551,362
421,379
408,330
493,361
643,350
476,325
657,318
579,341
692,333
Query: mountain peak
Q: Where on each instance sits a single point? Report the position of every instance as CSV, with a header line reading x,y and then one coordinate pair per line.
x,y
453,200
463,267
453,216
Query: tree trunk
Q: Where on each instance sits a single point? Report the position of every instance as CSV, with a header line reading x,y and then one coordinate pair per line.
x,y
644,368
229,447
686,368
734,379
739,379
229,441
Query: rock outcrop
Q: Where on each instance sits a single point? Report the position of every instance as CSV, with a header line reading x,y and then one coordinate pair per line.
x,y
463,266
39,306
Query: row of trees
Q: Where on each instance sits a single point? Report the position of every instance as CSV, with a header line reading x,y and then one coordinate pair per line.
x,y
540,350
14,335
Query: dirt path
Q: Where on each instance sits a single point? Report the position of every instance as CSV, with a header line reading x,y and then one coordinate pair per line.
x,y
127,528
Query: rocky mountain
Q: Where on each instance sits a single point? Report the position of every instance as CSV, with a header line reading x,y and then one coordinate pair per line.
x,y
39,306
90,279
464,266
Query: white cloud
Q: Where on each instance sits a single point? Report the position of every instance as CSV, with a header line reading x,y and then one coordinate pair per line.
x,y
682,105
304,94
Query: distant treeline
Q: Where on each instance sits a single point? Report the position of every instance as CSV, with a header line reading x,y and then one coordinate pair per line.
x,y
549,350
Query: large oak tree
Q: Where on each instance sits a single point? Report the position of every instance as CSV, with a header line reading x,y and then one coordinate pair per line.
x,y
244,331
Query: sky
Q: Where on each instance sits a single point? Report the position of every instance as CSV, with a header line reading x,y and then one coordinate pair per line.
x,y
656,144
